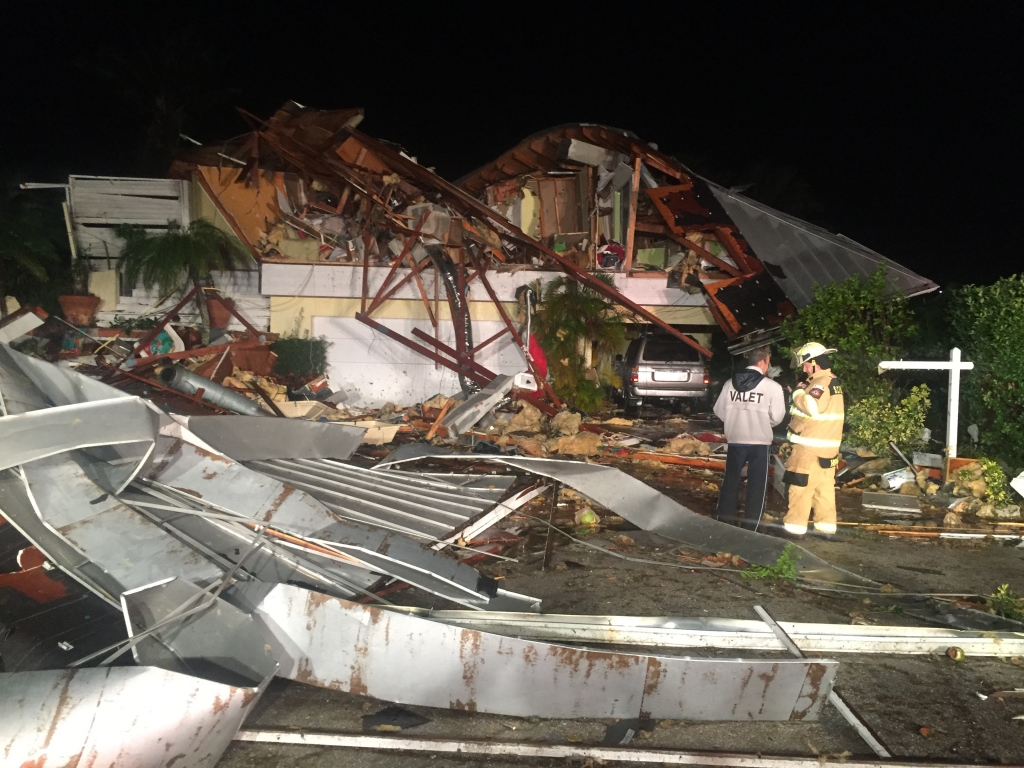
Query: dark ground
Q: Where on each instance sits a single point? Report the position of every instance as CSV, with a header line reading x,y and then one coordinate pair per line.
x,y
896,695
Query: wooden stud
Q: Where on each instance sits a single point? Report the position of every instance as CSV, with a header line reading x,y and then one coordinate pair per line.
x,y
634,193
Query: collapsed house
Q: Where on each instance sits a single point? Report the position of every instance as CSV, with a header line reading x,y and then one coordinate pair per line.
x,y
401,271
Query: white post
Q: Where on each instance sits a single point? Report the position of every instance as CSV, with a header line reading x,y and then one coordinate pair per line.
x,y
954,366
953,410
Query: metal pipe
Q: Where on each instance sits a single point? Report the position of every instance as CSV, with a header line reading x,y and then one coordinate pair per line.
x,y
833,696
566,751
189,383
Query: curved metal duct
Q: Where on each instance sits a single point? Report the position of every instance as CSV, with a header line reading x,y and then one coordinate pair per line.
x,y
459,309
183,380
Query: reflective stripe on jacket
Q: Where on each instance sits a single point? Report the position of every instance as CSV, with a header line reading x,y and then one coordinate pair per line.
x,y
818,412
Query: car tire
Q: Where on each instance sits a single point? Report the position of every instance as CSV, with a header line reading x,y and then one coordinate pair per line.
x,y
632,409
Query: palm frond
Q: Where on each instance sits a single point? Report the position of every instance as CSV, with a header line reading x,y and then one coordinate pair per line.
x,y
169,260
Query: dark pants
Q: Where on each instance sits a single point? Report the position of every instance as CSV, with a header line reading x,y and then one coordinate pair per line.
x,y
756,459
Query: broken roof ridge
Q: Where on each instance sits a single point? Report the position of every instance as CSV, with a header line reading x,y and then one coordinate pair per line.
x,y
541,134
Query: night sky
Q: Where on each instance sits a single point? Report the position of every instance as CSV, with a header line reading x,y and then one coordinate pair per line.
x,y
899,126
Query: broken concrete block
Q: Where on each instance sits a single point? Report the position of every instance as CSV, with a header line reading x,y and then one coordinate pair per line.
x,y
566,422
873,467
951,520
977,487
961,507
529,419
909,488
986,511
1009,512
580,444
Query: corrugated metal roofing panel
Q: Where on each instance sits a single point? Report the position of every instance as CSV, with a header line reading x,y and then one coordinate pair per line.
x,y
808,255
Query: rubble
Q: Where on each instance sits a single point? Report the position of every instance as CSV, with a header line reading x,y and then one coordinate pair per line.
x,y
686,446
528,419
580,444
566,422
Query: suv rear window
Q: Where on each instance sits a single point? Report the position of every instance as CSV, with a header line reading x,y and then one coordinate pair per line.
x,y
670,351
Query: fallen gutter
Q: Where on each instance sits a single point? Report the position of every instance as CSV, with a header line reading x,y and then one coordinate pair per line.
x,y
364,649
732,634
568,751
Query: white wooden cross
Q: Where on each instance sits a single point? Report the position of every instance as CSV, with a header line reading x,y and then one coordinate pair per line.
x,y
954,366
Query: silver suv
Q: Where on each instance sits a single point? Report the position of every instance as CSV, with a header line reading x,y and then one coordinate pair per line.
x,y
661,368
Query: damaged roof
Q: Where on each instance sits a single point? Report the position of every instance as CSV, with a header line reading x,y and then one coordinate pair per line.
x,y
802,256
799,255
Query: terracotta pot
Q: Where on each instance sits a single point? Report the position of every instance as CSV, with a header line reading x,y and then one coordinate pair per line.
x,y
220,317
79,310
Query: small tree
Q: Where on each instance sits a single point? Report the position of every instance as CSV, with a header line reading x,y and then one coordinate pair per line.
x,y
864,322
988,324
25,253
177,257
875,420
570,317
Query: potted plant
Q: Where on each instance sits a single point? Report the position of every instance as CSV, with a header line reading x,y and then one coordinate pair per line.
x,y
79,306
179,257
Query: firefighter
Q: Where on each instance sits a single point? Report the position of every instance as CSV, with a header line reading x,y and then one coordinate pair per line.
x,y
815,433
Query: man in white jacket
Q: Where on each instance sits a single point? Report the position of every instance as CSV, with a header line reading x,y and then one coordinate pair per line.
x,y
750,405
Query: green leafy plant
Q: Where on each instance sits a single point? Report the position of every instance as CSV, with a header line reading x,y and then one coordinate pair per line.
x,y
873,421
570,318
997,490
988,324
1006,602
129,324
784,568
179,256
866,321
25,253
299,360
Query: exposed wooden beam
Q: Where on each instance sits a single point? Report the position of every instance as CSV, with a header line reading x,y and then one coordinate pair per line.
x,y
634,194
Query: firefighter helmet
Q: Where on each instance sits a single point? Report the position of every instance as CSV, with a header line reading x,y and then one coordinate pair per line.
x,y
809,351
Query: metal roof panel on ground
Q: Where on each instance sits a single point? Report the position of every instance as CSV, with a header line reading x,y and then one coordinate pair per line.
x,y
648,509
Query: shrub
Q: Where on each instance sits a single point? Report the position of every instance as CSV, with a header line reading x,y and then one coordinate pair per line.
x,y
988,325
570,317
300,359
997,490
873,421
865,322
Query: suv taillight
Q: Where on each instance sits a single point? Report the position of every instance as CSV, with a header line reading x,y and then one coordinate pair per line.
x,y
707,377
634,375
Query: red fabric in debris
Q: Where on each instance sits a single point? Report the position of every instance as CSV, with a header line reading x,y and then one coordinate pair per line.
x,y
540,361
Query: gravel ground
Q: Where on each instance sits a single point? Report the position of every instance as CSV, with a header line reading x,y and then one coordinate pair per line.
x,y
897,695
